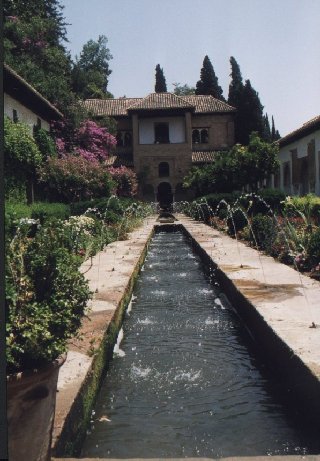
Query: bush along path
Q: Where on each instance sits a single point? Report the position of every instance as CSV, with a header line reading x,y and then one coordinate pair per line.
x,y
286,228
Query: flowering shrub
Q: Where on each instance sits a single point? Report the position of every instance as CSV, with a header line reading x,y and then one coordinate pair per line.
x,y
76,178
94,141
126,180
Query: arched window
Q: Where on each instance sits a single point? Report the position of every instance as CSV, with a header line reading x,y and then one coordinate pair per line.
x,y
204,136
195,136
164,169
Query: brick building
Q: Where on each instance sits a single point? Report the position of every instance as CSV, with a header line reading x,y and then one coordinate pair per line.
x,y
163,135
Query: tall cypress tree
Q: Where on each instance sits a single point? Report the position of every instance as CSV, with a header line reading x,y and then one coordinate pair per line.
x,y
266,128
160,86
236,84
252,113
208,83
275,135
235,99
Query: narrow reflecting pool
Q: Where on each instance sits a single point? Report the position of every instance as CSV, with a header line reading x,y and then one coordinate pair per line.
x,y
184,381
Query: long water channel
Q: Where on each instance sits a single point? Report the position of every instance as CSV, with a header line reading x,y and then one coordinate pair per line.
x,y
185,381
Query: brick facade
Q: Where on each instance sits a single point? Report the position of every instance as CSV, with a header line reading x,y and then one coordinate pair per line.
x,y
186,125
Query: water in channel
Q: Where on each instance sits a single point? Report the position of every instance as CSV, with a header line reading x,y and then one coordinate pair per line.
x,y
185,382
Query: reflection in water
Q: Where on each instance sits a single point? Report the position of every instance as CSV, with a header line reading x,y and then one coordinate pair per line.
x,y
185,382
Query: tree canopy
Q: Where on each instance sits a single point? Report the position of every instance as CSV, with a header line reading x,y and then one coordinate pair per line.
x,y
91,70
249,116
34,35
160,86
208,83
183,90
256,162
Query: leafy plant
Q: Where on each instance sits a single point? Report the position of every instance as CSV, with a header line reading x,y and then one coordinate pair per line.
x,y
264,231
46,297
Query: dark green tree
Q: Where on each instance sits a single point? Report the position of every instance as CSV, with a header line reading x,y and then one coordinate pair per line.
x,y
235,98
275,135
266,129
91,70
160,86
251,113
208,83
34,33
236,84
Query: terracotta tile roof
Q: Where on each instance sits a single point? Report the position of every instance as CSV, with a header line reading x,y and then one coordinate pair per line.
x,y
120,160
304,130
203,156
207,104
13,83
162,101
111,107
157,101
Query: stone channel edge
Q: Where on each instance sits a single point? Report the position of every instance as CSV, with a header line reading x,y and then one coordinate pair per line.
x,y
269,296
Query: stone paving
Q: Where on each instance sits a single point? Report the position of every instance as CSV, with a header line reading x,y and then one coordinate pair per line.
x,y
288,302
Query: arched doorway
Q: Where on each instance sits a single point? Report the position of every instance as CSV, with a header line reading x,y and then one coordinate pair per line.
x,y
165,196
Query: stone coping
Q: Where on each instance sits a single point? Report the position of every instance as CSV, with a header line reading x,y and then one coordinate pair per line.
x,y
274,299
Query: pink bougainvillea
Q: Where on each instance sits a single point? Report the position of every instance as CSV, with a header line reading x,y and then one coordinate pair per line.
x,y
95,140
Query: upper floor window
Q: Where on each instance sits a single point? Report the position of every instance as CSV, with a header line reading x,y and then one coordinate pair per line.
x,y
200,136
161,133
15,116
124,138
164,169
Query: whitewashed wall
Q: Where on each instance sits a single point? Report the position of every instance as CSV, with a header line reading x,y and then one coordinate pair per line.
x,y
177,130
25,115
301,146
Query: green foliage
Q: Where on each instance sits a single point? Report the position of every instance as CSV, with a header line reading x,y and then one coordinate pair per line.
x,y
257,161
111,209
91,70
45,143
33,47
15,188
266,201
20,149
236,221
264,231
46,297
183,90
208,83
307,207
160,85
76,178
313,248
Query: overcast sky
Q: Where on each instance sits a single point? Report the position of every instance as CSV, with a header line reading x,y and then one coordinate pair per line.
x,y
275,42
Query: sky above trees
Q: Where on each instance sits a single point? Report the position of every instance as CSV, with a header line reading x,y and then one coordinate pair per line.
x,y
274,42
